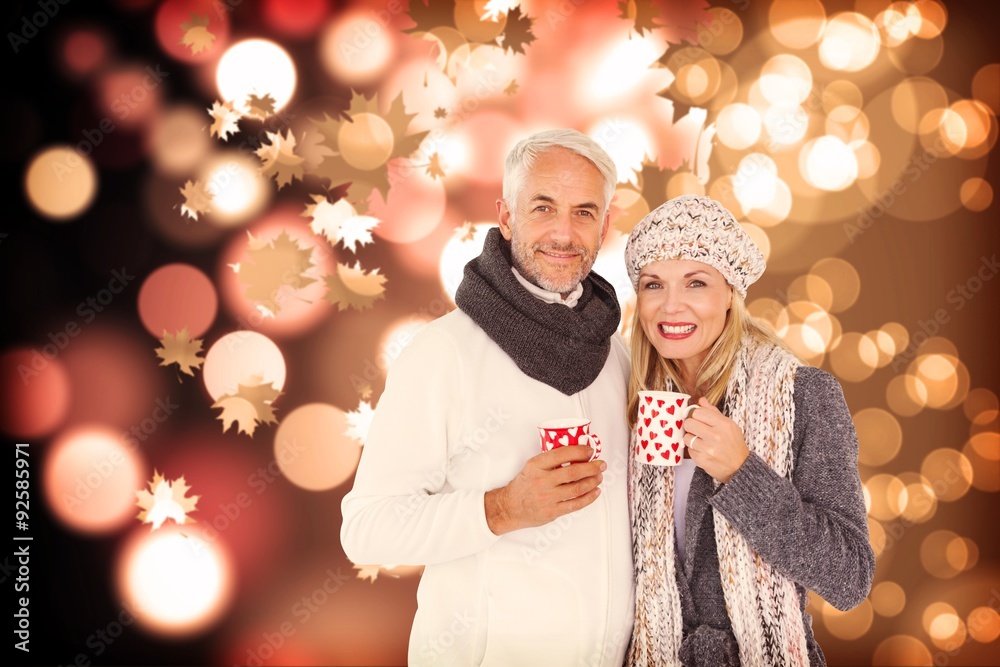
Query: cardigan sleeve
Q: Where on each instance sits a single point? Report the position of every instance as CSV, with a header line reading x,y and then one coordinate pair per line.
x,y
401,509
812,528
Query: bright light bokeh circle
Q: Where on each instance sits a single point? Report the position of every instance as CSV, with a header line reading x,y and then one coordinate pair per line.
x,y
175,581
829,164
90,478
237,190
256,66
60,182
242,357
355,49
457,253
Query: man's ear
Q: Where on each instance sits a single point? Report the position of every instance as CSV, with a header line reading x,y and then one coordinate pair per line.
x,y
503,217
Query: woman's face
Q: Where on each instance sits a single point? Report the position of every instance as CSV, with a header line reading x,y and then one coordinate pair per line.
x,y
682,306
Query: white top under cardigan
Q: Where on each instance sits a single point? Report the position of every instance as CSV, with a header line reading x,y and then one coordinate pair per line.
x,y
457,419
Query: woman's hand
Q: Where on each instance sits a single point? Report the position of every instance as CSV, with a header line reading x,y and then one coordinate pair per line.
x,y
715,441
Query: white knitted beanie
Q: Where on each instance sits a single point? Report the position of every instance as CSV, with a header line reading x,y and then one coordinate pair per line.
x,y
695,228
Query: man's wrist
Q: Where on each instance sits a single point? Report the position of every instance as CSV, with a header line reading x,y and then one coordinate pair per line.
x,y
497,514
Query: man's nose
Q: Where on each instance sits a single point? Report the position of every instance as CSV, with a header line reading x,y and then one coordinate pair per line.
x,y
562,227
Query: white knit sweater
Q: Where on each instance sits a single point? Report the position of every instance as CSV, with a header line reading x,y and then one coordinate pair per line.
x,y
457,419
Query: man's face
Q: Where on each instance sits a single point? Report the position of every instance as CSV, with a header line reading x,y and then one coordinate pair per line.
x,y
558,222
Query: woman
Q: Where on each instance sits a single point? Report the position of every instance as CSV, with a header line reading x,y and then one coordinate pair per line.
x,y
773,455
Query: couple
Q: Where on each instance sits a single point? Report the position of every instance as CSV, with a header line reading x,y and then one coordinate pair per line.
x,y
604,562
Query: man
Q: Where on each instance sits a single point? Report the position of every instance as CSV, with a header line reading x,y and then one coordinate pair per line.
x,y
528,560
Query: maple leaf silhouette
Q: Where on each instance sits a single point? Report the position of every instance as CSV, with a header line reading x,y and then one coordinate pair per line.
x,y
239,410
165,500
181,350
278,159
517,33
313,149
338,171
249,406
197,199
466,232
339,223
428,14
224,120
364,390
511,87
269,267
351,287
370,572
434,168
359,421
642,14
440,112
196,34
260,106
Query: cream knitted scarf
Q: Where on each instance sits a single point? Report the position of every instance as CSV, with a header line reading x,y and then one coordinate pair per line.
x,y
763,605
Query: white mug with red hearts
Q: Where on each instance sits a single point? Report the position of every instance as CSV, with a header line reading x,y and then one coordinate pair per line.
x,y
566,432
659,428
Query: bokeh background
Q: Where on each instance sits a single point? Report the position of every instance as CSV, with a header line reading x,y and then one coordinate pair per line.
x,y
226,218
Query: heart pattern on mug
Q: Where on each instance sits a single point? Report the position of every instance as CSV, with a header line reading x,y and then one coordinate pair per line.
x,y
553,436
660,429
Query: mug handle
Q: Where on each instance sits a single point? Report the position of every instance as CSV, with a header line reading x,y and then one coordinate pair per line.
x,y
596,443
689,409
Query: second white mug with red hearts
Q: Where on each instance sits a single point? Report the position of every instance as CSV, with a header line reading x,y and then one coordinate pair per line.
x,y
659,427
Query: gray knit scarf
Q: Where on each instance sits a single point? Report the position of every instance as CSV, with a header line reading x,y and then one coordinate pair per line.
x,y
763,605
565,348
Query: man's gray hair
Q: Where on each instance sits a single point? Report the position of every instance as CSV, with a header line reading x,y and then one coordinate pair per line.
x,y
522,157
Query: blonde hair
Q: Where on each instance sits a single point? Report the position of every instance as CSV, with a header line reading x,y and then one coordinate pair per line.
x,y
650,371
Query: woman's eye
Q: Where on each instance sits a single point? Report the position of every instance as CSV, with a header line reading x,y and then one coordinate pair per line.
x,y
651,285
697,283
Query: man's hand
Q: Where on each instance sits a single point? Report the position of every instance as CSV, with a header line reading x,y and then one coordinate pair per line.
x,y
545,490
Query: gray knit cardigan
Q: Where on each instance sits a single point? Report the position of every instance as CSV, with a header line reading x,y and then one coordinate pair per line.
x,y
813,529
